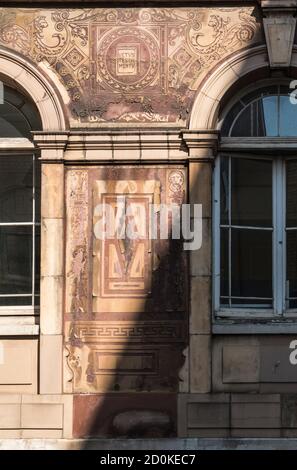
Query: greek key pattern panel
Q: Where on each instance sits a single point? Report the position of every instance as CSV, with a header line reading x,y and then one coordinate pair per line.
x,y
129,65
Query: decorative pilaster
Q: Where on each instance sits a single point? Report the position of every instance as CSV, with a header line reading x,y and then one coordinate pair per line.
x,y
52,146
202,148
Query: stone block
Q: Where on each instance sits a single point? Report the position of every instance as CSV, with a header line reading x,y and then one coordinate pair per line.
x,y
255,411
52,237
241,364
18,365
200,260
52,195
200,316
50,364
51,296
10,415
42,415
200,363
200,183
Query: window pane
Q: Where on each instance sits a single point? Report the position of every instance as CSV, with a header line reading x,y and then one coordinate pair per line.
x,y
16,260
37,262
224,190
16,188
251,192
291,178
268,116
291,286
251,263
288,117
13,122
268,112
224,263
18,115
37,188
243,125
15,301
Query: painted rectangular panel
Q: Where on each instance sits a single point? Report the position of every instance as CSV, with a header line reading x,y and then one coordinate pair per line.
x,y
126,296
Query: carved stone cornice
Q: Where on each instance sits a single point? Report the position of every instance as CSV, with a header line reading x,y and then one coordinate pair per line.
x,y
127,145
279,21
201,144
51,144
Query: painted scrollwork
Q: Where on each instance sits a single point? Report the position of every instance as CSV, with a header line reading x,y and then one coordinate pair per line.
x,y
108,59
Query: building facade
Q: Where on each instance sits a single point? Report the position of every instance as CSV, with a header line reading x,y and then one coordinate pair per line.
x,y
148,107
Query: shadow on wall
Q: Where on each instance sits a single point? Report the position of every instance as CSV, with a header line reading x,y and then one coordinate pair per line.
x,y
139,364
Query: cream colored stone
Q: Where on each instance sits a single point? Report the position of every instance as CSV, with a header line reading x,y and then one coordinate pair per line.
x,y
18,365
200,363
41,434
99,154
10,398
75,154
54,153
61,405
51,301
52,194
154,154
200,301
52,242
50,364
200,260
200,185
10,415
41,416
126,154
68,417
10,434
205,110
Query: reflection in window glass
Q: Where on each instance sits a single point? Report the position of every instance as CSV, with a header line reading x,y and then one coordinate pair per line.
x,y
264,115
246,232
251,264
251,192
288,114
268,119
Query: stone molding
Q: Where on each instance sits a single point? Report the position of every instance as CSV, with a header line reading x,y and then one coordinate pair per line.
x,y
128,145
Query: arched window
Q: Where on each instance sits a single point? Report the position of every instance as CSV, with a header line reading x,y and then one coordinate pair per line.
x,y
19,202
255,205
266,112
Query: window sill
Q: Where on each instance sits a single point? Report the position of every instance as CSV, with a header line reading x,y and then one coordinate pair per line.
x,y
19,330
19,311
19,326
255,327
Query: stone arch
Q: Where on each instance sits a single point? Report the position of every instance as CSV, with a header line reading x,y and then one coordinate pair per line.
x,y
36,84
206,106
